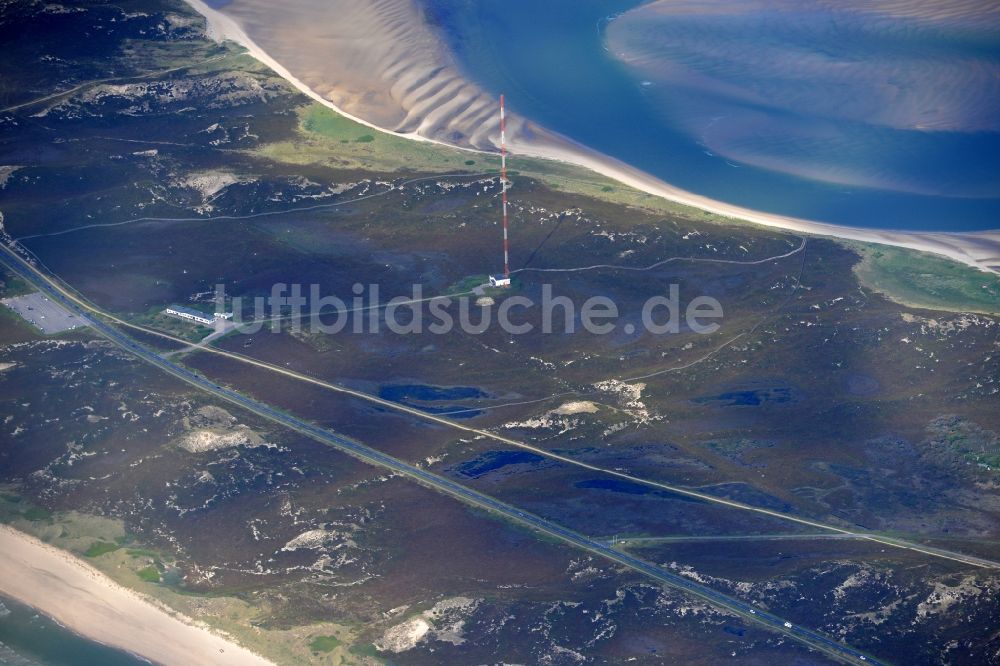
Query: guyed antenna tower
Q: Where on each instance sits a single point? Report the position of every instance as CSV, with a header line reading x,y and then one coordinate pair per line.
x,y
503,186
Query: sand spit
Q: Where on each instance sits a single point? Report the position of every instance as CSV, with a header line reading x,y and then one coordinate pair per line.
x,y
379,63
375,62
979,249
83,599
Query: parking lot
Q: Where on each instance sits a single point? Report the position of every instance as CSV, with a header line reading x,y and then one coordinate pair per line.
x,y
43,313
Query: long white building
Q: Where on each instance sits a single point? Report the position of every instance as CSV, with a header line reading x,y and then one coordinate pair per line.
x,y
193,315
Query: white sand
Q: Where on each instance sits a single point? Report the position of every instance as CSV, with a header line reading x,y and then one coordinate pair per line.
x,y
576,407
222,27
83,599
978,249
379,60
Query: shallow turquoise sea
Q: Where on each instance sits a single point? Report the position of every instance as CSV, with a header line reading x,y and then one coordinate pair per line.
x,y
836,115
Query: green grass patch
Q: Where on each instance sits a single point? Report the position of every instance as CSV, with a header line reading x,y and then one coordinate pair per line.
x,y
99,548
150,574
317,119
15,328
330,139
990,460
923,280
467,284
325,644
37,513
11,285
180,328
182,591
365,650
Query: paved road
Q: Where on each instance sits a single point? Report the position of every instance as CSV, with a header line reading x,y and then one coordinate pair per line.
x,y
266,213
85,84
443,420
828,646
662,262
791,536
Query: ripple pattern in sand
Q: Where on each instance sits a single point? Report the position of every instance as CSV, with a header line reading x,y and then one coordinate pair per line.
x,y
377,60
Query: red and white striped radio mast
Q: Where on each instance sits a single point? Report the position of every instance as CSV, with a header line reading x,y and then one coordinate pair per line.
x,y
503,183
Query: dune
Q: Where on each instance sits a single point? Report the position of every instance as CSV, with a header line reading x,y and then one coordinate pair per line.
x,y
381,64
86,601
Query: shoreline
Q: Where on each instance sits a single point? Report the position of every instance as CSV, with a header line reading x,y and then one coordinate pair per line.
x,y
978,249
89,603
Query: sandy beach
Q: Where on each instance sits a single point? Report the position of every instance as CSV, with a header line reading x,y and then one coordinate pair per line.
x,y
381,65
83,599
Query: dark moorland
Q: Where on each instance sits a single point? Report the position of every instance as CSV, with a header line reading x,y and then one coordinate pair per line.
x,y
816,398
